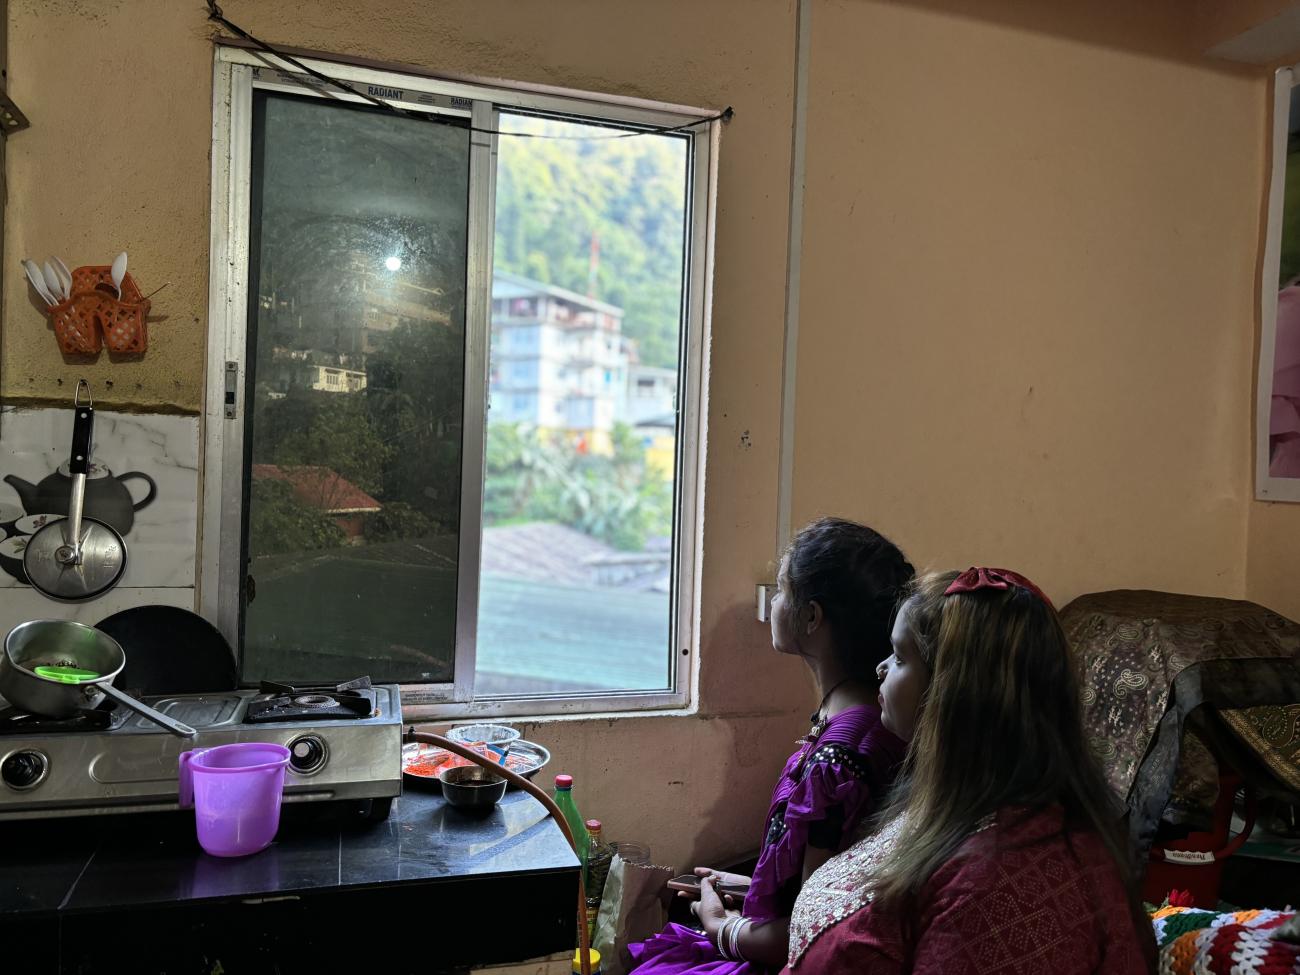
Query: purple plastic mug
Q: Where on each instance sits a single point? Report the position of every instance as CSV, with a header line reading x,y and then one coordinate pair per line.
x,y
235,793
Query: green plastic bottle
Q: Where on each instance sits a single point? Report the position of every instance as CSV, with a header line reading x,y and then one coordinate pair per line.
x,y
564,799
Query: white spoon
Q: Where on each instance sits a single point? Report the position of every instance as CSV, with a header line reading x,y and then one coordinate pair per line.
x,y
119,272
65,276
52,282
34,276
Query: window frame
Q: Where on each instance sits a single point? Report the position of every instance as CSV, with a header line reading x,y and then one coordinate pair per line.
x,y
237,71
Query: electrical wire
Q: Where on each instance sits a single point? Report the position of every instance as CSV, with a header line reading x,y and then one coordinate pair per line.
x,y
215,13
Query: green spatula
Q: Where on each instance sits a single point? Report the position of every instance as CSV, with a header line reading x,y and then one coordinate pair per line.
x,y
66,675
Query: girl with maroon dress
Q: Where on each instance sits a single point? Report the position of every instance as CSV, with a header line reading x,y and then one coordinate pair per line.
x,y
836,592
998,852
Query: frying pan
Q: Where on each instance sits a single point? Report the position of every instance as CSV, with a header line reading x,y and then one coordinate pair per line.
x,y
170,650
39,648
76,558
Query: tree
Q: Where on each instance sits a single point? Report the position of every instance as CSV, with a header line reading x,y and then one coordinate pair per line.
x,y
611,497
396,521
414,393
280,524
553,196
331,430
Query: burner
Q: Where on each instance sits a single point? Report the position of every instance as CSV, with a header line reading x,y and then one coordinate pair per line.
x,y
353,700
315,701
17,722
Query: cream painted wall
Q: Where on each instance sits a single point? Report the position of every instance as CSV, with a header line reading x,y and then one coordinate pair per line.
x,y
1028,267
1273,568
119,93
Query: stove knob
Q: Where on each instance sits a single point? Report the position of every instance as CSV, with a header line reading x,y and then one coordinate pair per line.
x,y
307,754
24,770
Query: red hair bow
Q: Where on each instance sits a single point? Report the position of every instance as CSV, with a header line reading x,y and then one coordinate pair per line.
x,y
976,578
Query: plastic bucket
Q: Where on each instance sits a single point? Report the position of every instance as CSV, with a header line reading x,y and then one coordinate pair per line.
x,y
235,792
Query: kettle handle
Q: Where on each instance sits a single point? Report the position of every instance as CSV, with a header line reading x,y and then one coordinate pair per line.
x,y
185,782
153,488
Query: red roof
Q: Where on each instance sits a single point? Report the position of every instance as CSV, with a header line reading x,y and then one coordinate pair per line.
x,y
320,487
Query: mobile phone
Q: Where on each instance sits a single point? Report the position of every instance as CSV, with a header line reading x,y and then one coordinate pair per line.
x,y
690,884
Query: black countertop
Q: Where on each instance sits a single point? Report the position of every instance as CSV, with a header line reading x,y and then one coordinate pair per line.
x,y
427,860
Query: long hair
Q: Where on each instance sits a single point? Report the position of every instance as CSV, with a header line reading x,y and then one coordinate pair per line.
x,y
856,575
1000,724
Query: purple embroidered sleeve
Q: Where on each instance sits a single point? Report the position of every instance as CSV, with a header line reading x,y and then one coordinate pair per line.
x,y
836,779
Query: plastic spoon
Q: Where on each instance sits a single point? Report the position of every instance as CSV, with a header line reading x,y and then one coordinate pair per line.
x,y
119,272
52,282
66,675
65,276
38,282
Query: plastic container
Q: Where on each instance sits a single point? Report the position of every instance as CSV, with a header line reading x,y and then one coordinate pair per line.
x,y
235,792
636,854
599,857
1195,863
502,736
593,956
95,316
564,799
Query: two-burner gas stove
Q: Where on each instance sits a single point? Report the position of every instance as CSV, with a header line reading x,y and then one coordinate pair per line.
x,y
345,745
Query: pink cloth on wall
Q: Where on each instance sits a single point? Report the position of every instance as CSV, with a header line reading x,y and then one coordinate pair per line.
x,y
1284,413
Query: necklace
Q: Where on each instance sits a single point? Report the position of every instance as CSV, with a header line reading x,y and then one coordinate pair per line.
x,y
818,718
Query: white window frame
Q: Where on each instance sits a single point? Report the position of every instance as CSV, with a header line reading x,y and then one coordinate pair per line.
x,y
237,72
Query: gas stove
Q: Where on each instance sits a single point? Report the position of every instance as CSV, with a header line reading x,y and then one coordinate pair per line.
x,y
345,744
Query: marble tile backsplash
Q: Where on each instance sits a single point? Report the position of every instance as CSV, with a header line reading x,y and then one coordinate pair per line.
x,y
145,484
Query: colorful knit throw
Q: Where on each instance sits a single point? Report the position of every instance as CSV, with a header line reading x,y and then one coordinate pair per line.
x,y
1196,942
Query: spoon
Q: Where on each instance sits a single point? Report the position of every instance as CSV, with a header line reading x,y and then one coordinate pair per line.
x,y
65,276
52,282
38,282
119,272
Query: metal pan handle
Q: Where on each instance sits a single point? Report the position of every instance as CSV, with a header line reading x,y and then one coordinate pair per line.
x,y
83,425
177,728
83,428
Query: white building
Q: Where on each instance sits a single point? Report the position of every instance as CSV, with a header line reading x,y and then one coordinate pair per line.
x,y
559,360
651,394
334,379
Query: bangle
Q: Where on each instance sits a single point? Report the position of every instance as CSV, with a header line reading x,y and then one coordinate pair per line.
x,y
720,940
724,938
736,929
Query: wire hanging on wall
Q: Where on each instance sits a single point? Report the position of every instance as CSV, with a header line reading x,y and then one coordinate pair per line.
x,y
215,13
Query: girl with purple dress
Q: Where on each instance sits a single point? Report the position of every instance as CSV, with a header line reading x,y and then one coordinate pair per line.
x,y
836,592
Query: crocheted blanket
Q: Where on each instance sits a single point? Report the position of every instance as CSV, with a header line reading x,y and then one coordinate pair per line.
x,y
1195,942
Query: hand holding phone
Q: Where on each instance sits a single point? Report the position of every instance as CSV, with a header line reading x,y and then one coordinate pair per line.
x,y
689,885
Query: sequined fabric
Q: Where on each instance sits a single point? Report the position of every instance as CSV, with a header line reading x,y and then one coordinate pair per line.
x,y
1029,895
838,888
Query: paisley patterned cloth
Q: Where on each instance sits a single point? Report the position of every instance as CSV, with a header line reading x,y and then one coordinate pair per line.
x,y
1146,661
1273,732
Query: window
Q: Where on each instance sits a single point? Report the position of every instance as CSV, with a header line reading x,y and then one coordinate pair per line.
x,y
535,556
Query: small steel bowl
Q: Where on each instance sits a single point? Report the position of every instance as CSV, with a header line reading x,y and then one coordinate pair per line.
x,y
472,788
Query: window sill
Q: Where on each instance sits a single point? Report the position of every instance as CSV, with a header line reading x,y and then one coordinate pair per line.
x,y
552,709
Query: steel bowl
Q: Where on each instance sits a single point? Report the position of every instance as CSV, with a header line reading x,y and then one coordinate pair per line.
x,y
472,788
